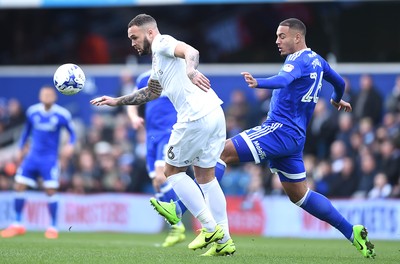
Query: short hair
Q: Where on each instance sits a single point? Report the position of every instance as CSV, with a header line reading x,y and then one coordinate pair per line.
x,y
141,19
296,24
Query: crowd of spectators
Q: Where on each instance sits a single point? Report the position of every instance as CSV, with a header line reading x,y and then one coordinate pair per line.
x,y
347,155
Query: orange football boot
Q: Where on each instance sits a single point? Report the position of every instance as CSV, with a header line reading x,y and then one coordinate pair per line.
x,y
13,230
51,233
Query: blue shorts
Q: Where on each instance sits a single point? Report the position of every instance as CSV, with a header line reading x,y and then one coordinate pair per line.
x,y
156,151
38,166
273,142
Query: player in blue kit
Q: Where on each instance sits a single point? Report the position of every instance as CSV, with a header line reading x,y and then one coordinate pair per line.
x,y
280,139
45,121
160,116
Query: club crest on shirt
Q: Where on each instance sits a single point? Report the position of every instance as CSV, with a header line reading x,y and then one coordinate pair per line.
x,y
288,67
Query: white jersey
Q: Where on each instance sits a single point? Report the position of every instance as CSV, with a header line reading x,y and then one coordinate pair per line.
x,y
190,101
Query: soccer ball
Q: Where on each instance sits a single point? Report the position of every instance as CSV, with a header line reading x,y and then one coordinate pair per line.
x,y
69,79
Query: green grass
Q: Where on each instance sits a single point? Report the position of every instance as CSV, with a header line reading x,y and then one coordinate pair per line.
x,y
72,247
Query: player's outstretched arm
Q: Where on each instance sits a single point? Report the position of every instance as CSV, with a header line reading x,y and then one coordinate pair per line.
x,y
104,100
151,92
342,105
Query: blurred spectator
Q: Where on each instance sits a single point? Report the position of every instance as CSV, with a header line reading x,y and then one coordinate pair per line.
x,y
381,189
393,100
369,102
368,170
321,131
255,188
139,181
7,171
235,181
356,144
390,161
256,183
16,114
239,109
87,178
108,166
345,124
391,124
233,126
322,177
348,95
276,186
100,130
345,181
126,86
259,109
12,116
366,128
338,153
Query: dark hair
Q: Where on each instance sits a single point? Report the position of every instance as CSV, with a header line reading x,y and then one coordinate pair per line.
x,y
141,20
295,24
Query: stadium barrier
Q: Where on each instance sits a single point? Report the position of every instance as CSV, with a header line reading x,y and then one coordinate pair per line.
x,y
273,216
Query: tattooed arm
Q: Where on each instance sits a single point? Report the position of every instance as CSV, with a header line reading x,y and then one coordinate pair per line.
x,y
141,96
191,56
149,93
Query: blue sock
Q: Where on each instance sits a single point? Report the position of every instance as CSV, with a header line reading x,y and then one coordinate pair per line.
x,y
220,170
319,206
159,196
19,203
168,193
53,206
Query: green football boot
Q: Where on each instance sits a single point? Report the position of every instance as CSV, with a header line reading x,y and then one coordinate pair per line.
x,y
362,243
175,236
224,249
167,210
205,238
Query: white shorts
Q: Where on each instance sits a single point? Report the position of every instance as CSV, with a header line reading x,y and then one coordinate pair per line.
x,y
199,143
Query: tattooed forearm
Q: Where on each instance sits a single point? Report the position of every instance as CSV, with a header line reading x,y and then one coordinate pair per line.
x,y
192,61
155,88
151,92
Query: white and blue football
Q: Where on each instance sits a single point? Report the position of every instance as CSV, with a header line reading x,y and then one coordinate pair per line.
x,y
69,79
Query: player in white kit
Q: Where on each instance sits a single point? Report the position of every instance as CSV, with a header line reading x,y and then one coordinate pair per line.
x,y
197,138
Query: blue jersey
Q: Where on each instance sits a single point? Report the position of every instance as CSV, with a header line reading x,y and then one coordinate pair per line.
x,y
160,114
44,127
280,139
293,105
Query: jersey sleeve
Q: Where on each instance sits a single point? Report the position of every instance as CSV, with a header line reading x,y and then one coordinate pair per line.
x,y
66,118
288,73
166,46
336,80
71,130
26,132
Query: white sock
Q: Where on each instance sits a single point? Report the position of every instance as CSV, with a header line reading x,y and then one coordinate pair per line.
x,y
191,196
216,202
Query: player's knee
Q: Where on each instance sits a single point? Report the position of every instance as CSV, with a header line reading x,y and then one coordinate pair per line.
x,y
229,154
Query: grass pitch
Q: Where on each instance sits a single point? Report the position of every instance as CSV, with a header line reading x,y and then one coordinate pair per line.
x,y
73,247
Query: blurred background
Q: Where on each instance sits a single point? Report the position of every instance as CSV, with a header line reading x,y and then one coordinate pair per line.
x,y
349,157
